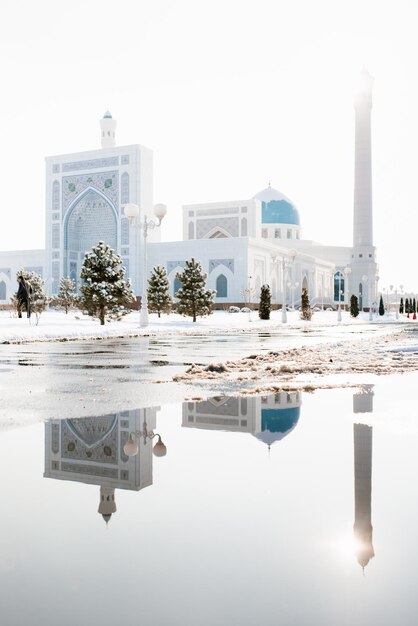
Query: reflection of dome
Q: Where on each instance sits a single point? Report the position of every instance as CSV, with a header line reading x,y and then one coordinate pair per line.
x,y
276,208
277,423
107,517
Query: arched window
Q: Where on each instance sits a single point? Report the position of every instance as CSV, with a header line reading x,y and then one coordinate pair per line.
x,y
2,290
191,230
221,286
338,287
177,285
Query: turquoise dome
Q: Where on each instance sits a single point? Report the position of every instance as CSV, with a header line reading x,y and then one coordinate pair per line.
x,y
277,423
276,208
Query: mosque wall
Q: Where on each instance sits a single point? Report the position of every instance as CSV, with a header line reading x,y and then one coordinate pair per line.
x,y
85,196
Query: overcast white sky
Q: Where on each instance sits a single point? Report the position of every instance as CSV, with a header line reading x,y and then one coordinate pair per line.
x,y
229,95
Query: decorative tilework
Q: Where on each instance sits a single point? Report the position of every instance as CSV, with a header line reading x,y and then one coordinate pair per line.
x,y
229,263
55,231
125,159
225,211
5,270
55,438
124,188
171,265
229,224
124,231
77,468
55,196
90,439
56,168
55,217
124,436
90,164
105,182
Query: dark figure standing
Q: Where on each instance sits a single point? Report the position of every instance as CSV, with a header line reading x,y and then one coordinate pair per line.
x,y
23,296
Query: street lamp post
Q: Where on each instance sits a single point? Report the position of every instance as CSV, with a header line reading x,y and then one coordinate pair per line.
x,y
131,447
131,211
284,314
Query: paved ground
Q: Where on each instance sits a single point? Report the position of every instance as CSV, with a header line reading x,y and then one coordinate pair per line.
x,y
74,379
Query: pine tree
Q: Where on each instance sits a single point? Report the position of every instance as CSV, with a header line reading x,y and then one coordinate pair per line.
x,y
159,300
406,305
105,292
401,305
306,311
193,298
381,306
265,303
414,306
38,298
66,297
354,310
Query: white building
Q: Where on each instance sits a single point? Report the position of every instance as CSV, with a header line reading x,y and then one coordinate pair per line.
x,y
241,244
90,450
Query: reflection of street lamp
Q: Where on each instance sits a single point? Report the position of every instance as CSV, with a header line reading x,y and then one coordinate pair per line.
x,y
131,447
131,211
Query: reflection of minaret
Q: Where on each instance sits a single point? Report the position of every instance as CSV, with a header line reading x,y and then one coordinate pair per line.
x,y
107,505
363,529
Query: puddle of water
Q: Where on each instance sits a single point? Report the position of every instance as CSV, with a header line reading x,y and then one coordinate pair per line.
x,y
265,510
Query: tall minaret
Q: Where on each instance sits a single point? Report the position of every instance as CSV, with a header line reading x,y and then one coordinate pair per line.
x,y
363,529
108,127
363,262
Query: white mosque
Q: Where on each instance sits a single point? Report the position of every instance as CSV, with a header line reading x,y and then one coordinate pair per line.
x,y
241,244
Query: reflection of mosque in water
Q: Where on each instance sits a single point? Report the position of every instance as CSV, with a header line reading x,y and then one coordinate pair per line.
x,y
363,443
91,450
269,418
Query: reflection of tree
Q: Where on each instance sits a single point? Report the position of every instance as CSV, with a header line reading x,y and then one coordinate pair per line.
x,y
363,529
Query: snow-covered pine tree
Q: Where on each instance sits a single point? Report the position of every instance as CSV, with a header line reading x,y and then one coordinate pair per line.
x,y
66,297
406,305
104,292
265,303
306,311
159,299
193,297
38,298
381,306
354,310
401,306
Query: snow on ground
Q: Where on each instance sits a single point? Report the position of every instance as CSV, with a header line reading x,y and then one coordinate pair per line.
x,y
57,326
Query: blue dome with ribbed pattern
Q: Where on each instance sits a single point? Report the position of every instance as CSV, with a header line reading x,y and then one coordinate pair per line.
x,y
277,208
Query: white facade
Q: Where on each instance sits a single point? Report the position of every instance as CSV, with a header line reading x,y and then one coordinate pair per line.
x,y
241,244
90,450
